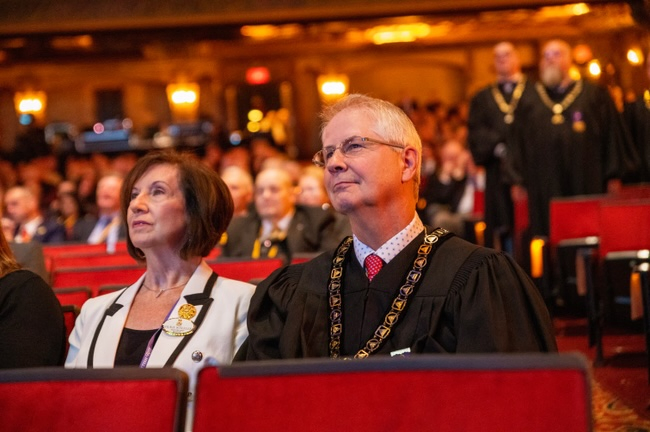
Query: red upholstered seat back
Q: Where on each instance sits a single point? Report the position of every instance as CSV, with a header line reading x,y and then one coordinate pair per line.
x,y
94,277
625,226
245,269
98,400
574,217
76,296
545,392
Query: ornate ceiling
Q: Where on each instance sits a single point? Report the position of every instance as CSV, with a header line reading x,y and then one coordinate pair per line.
x,y
60,30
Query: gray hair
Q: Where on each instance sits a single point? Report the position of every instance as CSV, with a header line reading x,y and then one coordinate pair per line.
x,y
390,122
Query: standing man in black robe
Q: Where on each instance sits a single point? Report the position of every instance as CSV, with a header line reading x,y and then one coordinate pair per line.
x,y
570,139
396,286
637,116
492,112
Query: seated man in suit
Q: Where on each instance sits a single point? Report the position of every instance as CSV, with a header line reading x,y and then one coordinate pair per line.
x,y
107,226
23,210
240,184
279,227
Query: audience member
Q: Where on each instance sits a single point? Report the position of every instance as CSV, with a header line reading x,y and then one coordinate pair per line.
x,y
492,112
240,184
422,290
179,313
29,223
570,139
279,227
107,227
31,321
239,156
311,188
450,191
71,216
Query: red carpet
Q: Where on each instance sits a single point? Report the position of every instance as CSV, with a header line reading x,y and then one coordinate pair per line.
x,y
621,394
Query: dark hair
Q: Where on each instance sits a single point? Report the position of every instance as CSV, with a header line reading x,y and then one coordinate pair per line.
x,y
208,204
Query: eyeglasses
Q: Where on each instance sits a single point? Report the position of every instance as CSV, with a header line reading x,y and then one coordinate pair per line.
x,y
351,147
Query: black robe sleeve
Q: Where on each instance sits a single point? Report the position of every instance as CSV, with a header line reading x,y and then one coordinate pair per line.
x,y
493,306
31,322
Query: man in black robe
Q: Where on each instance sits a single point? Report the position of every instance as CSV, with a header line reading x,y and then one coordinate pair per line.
x,y
569,139
396,287
637,116
492,112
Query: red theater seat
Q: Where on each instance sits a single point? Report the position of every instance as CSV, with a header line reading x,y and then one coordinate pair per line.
x,y
76,296
98,400
94,277
445,393
245,270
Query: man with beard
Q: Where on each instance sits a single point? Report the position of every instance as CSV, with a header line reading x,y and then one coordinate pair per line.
x,y
569,139
492,112
637,115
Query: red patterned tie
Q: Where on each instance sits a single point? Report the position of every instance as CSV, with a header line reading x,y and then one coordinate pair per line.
x,y
373,264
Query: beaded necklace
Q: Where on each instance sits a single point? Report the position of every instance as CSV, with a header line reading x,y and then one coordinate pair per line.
x,y
558,108
413,279
509,108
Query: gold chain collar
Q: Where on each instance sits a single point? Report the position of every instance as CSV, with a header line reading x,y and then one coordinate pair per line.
x,y
558,108
509,108
398,306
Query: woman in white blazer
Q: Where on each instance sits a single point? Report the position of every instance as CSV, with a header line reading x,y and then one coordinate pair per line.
x,y
179,313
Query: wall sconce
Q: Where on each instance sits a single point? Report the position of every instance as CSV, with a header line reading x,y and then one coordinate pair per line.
x,y
30,102
594,68
332,87
183,101
634,56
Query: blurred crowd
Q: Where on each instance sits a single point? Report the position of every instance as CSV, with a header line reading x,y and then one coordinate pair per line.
x,y
76,199
51,201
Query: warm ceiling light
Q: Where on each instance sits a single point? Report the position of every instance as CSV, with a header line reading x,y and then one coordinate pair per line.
x,y
580,9
265,32
397,33
72,42
634,56
565,11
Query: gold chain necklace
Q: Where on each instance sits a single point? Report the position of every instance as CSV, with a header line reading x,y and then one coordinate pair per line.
x,y
160,291
558,108
398,306
508,108
646,98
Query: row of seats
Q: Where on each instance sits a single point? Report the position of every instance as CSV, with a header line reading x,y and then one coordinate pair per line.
x,y
600,248
74,285
487,392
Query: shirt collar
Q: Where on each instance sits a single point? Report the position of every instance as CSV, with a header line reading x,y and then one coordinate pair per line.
x,y
393,246
283,224
33,225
